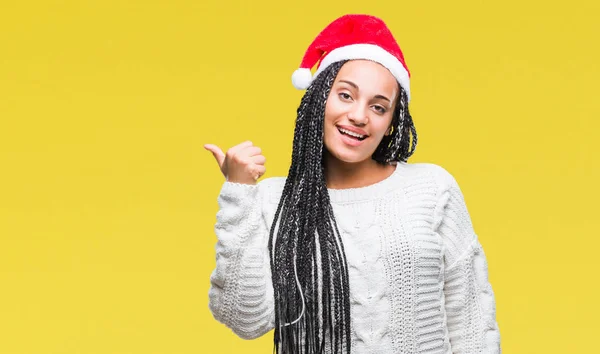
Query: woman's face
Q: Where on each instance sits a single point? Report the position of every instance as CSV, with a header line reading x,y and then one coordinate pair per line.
x,y
359,110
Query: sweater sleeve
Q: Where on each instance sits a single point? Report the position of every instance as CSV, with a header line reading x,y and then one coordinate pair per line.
x,y
241,292
469,298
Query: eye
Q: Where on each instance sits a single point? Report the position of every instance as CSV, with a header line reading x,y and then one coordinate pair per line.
x,y
345,96
380,109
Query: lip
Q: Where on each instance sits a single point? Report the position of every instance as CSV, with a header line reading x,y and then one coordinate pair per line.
x,y
354,130
350,141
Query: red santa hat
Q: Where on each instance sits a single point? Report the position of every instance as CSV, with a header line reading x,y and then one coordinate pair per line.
x,y
353,37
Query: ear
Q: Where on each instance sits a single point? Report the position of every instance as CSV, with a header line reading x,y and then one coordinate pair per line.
x,y
389,131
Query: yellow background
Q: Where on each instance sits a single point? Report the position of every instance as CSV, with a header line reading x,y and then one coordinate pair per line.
x,y
108,200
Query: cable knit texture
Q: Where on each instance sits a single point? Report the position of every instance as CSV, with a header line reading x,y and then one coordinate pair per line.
x,y
418,274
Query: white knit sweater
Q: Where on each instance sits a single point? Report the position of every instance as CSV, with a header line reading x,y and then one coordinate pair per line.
x,y
418,274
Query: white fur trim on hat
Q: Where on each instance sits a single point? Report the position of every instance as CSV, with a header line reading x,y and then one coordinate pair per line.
x,y
369,52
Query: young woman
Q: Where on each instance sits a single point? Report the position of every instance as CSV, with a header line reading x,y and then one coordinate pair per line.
x,y
356,250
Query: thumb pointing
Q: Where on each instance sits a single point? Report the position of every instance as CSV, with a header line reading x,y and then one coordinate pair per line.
x,y
217,153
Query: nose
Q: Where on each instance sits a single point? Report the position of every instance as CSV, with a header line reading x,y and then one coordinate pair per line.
x,y
358,114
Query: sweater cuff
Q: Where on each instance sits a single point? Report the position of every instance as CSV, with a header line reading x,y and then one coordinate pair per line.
x,y
238,190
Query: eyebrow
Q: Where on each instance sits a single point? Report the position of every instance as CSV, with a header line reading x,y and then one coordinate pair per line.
x,y
356,87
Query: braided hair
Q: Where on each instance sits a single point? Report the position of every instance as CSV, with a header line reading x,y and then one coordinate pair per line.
x,y
308,264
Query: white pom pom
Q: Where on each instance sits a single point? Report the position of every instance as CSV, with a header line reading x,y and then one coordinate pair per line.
x,y
301,78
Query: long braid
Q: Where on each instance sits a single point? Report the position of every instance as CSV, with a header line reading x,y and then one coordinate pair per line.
x,y
308,264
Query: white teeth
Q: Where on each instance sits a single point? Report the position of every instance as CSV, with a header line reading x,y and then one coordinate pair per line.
x,y
351,133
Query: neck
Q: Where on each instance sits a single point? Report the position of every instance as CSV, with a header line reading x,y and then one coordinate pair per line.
x,y
342,175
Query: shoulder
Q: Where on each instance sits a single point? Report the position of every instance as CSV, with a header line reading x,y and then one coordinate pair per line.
x,y
449,197
440,175
436,177
271,188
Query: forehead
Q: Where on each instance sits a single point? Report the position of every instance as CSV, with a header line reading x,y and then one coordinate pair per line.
x,y
368,76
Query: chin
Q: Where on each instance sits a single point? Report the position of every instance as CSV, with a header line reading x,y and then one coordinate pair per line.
x,y
348,157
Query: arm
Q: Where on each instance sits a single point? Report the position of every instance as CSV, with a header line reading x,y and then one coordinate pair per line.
x,y
241,292
469,298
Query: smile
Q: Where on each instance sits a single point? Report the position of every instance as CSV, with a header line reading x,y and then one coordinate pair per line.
x,y
352,134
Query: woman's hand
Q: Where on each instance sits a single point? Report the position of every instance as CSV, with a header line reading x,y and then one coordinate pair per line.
x,y
242,163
